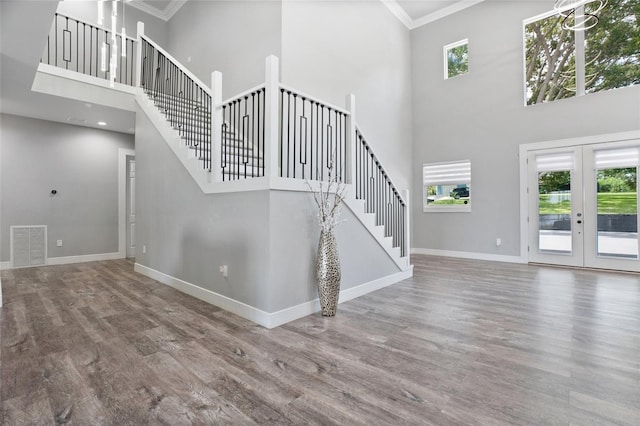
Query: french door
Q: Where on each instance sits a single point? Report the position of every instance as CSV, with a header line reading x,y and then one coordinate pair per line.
x,y
583,206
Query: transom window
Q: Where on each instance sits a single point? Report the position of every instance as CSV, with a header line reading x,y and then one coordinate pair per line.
x,y
561,63
456,58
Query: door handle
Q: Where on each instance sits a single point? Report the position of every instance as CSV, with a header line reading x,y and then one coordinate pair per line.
x,y
579,221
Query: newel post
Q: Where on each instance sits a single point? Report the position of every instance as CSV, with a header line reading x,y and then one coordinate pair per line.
x,y
216,126
139,53
407,228
351,141
272,85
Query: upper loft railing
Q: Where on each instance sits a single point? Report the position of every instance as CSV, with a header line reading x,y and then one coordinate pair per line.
x,y
77,46
272,130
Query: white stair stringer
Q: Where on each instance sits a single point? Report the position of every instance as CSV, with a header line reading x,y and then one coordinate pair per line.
x,y
357,207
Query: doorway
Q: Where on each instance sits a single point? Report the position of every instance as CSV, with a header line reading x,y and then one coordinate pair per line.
x,y
583,205
131,207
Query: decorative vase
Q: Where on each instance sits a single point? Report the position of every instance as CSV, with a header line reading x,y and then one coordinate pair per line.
x,y
328,273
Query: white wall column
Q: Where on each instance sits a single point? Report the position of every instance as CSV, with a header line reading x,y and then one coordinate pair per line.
x,y
272,82
407,224
139,53
216,126
351,140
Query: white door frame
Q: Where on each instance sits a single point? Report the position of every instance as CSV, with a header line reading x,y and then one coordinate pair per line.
x,y
575,257
613,138
122,200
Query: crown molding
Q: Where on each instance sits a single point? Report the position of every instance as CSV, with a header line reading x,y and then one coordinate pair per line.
x,y
411,24
165,14
399,12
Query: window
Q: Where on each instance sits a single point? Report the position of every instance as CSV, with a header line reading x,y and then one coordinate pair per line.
x,y
456,58
447,186
560,63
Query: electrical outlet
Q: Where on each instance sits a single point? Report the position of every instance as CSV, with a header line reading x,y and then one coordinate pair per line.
x,y
498,242
144,249
224,269
59,243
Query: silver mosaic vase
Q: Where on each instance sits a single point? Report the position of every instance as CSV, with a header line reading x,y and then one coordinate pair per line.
x,y
328,273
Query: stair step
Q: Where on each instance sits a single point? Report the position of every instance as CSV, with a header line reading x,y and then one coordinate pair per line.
x,y
166,97
237,175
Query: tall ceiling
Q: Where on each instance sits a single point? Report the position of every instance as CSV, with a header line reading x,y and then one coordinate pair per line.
x,y
21,47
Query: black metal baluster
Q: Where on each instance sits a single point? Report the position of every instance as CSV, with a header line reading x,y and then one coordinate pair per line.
x,y
223,139
295,142
264,127
56,33
288,130
253,133
77,47
322,128
245,130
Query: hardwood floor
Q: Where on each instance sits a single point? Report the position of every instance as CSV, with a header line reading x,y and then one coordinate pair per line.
x,y
462,343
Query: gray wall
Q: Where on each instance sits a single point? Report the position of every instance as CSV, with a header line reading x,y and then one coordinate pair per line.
x,y
268,239
294,245
87,11
80,163
333,48
233,37
480,116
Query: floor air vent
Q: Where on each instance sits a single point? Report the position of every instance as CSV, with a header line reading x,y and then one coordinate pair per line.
x,y
28,246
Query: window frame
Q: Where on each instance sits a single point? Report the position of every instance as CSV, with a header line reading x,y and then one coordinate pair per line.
x,y
445,52
446,208
580,53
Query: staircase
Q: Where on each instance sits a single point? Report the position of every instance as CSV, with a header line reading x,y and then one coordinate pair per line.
x,y
302,136
269,137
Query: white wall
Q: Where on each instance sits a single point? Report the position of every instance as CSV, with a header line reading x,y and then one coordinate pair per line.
x,y
233,37
333,48
480,116
81,164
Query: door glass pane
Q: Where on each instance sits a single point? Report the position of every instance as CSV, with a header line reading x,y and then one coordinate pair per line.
x,y
554,211
617,212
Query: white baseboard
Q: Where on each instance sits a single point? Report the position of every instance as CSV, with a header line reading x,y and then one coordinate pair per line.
x,y
266,319
242,309
302,310
470,255
66,260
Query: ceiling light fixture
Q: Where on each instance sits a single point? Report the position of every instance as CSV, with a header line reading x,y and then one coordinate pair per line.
x,y
101,123
112,64
574,11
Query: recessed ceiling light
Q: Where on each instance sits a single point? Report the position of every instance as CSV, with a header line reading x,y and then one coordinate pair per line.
x,y
101,123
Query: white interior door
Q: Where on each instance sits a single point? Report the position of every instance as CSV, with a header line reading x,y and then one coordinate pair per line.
x,y
131,208
583,206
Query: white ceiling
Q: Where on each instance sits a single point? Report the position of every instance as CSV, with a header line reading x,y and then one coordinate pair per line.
x,y
163,9
414,13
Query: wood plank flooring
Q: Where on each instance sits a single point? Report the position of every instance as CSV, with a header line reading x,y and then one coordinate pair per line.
x,y
462,343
